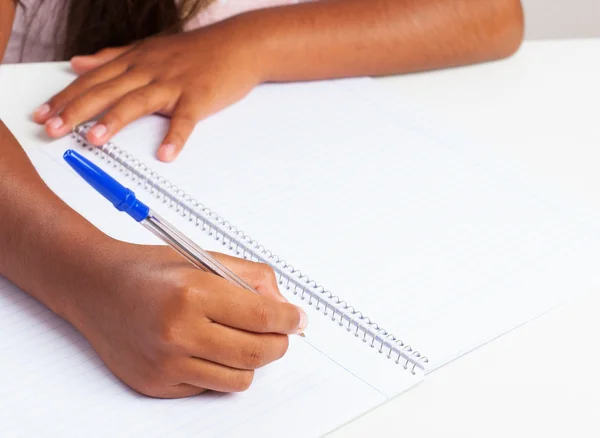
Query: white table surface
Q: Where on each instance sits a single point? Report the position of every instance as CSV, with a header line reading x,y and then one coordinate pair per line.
x,y
543,108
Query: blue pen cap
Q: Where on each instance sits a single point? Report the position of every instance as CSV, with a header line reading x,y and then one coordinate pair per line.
x,y
121,197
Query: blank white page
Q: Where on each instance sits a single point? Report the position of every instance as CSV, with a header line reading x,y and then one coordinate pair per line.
x,y
437,239
53,384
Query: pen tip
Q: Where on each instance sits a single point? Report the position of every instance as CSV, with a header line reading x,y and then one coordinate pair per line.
x,y
302,335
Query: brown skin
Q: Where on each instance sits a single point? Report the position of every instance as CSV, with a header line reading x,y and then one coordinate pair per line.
x,y
161,326
316,40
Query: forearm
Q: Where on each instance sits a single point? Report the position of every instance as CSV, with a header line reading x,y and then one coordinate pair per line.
x,y
44,245
343,38
7,15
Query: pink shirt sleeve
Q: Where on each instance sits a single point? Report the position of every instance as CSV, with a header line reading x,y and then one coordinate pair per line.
x,y
37,33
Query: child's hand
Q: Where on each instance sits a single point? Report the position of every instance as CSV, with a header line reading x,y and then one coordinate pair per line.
x,y
170,330
186,76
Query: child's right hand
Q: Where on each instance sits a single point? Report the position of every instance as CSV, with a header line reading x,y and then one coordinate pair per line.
x,y
170,330
162,326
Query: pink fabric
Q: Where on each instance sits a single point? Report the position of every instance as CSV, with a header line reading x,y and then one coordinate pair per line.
x,y
46,30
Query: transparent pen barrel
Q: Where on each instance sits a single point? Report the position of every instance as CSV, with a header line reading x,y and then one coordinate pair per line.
x,y
190,250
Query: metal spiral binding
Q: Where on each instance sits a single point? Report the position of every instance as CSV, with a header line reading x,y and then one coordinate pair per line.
x,y
235,240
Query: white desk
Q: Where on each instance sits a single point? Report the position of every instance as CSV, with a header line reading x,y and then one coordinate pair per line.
x,y
543,108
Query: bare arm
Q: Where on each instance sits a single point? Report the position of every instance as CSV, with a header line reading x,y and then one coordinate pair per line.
x,y
34,223
131,301
100,285
340,38
38,251
308,41
7,15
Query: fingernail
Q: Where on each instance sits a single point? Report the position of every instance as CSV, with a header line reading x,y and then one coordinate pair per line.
x,y
98,131
303,320
55,123
167,152
42,110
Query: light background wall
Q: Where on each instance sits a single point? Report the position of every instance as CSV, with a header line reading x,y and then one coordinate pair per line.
x,y
561,18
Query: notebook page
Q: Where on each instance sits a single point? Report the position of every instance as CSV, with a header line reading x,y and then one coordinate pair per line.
x,y
53,384
383,372
430,236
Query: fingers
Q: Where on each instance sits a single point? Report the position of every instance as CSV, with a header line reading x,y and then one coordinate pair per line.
x,y
238,308
48,112
205,374
259,275
93,102
175,391
183,121
197,375
138,103
83,64
237,348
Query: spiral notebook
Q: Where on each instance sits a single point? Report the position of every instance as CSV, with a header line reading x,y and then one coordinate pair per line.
x,y
407,244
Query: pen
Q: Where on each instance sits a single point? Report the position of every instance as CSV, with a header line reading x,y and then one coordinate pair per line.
x,y
125,200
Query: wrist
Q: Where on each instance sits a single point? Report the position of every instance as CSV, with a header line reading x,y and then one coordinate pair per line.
x,y
46,248
71,285
250,34
51,254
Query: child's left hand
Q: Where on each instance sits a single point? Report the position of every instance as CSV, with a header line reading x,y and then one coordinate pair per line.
x,y
187,76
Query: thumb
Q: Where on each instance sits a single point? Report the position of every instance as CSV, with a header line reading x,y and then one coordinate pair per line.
x,y
83,64
259,275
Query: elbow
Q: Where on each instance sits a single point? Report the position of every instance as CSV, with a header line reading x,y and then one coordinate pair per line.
x,y
515,27
508,33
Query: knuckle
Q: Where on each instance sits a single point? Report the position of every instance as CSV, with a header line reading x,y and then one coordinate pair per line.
x,y
69,113
140,100
105,89
58,101
160,375
186,119
263,315
253,356
171,328
267,275
284,343
113,118
82,82
152,387
207,293
169,332
72,111
145,46
149,387
242,380
184,295
208,91
155,379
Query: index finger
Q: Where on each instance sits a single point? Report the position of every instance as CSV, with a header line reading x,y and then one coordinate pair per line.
x,y
55,105
235,307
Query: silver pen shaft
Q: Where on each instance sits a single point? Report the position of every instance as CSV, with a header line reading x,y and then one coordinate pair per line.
x,y
190,250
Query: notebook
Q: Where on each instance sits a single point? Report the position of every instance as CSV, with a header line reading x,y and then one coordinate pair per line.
x,y
407,244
